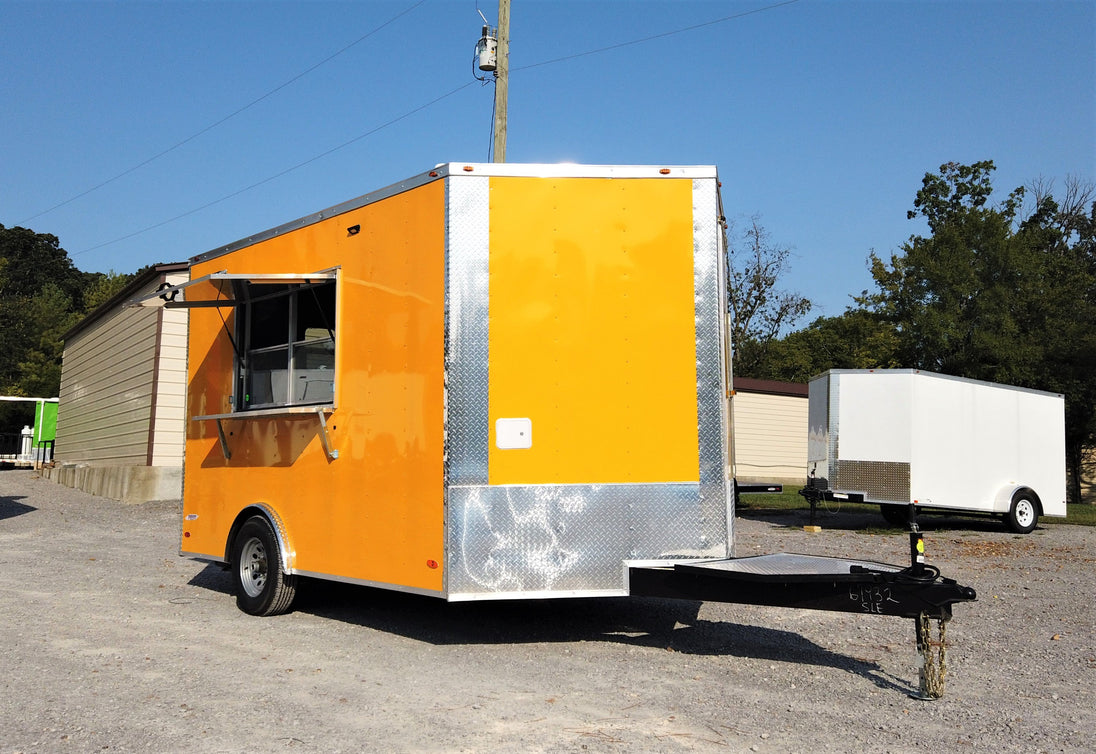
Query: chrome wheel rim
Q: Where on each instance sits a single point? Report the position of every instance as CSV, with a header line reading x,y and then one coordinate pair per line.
x,y
253,567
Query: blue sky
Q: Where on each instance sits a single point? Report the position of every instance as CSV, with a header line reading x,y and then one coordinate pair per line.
x,y
822,117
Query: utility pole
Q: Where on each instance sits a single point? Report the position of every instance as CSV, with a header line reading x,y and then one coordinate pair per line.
x,y
502,76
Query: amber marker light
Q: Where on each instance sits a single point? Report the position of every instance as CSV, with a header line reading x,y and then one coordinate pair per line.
x,y
468,168
665,171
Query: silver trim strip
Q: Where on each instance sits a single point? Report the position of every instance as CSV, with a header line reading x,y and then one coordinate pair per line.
x,y
366,582
201,557
573,170
544,595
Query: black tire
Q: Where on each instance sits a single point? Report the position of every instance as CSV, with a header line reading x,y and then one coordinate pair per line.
x,y
261,587
896,515
1023,513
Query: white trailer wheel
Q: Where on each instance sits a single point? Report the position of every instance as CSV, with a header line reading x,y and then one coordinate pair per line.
x,y
1023,514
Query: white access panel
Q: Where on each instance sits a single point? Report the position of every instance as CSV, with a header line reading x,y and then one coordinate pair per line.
x,y
875,416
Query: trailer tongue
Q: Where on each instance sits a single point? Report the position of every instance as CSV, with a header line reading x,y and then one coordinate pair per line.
x,y
809,582
815,582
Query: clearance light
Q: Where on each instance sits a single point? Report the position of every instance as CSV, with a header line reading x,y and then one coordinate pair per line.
x,y
468,168
665,171
431,564
433,174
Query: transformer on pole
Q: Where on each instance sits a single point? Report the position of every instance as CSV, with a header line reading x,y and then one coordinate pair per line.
x,y
493,56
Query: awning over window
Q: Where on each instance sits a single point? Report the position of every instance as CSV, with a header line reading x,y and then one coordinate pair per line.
x,y
174,296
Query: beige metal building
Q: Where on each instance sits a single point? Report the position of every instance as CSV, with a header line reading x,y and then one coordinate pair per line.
x,y
120,420
770,431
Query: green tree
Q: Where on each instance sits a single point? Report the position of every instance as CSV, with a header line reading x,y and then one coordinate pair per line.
x,y
31,260
759,309
41,293
858,339
102,287
49,316
993,296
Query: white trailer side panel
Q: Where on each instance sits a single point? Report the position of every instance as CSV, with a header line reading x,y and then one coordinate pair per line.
x,y
977,442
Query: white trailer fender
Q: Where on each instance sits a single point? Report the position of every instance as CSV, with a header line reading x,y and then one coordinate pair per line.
x,y
1002,503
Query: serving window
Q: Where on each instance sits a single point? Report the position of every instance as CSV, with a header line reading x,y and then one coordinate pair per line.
x,y
285,337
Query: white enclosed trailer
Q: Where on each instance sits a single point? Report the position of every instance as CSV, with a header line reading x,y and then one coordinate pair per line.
x,y
902,437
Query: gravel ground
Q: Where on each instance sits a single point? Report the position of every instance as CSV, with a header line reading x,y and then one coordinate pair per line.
x,y
114,643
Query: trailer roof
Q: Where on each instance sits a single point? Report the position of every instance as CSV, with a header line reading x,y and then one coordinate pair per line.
x,y
459,169
938,376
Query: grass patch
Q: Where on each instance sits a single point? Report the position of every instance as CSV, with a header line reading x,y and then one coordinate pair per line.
x,y
786,500
791,500
1081,514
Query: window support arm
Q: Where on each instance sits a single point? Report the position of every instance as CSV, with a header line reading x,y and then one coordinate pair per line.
x,y
224,441
320,413
332,453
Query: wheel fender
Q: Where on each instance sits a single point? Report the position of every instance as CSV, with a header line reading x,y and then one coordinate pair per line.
x,y
285,546
1002,503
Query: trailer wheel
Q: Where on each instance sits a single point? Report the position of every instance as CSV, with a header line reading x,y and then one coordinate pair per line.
x,y
1023,514
261,587
896,515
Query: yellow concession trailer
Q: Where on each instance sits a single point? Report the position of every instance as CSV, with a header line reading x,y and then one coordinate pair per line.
x,y
487,381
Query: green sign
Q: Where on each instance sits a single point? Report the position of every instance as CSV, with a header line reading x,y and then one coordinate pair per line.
x,y
45,421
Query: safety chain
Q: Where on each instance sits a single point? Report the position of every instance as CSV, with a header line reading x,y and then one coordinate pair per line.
x,y
934,665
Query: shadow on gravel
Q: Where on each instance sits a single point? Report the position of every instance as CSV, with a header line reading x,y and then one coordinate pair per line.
x,y
10,507
859,520
214,578
672,625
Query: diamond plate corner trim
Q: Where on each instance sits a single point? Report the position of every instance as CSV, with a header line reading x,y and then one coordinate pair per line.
x,y
716,504
467,248
834,401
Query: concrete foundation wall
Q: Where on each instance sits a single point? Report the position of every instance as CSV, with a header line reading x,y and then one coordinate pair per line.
x,y
129,484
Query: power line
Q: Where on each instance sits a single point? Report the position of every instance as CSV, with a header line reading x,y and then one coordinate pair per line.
x,y
418,109
225,119
268,179
653,37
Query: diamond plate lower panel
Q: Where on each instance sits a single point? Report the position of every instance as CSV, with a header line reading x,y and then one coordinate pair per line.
x,y
571,538
879,480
